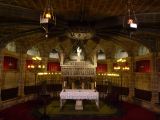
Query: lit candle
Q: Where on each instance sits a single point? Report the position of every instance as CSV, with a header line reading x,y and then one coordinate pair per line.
x,y
48,15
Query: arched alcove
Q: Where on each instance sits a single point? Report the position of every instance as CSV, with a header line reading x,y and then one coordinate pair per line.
x,y
33,51
11,46
120,53
142,50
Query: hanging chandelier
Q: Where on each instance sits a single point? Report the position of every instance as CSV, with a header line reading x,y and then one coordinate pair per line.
x,y
130,20
48,17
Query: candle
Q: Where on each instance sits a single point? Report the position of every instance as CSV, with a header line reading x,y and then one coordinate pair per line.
x,y
95,84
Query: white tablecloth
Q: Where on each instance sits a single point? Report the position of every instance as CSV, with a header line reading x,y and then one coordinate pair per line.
x,y
79,94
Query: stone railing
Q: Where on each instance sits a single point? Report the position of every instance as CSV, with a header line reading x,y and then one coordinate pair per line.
x,y
11,102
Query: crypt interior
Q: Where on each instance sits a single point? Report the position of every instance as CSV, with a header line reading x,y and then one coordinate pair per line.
x,y
108,47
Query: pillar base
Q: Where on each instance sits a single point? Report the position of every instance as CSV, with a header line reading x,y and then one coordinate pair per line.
x,y
79,105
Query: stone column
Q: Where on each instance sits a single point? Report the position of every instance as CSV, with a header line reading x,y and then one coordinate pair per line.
x,y
45,62
1,74
132,80
21,50
61,57
154,79
95,59
109,66
22,62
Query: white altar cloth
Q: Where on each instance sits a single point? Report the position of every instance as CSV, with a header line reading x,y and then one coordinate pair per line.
x,y
79,94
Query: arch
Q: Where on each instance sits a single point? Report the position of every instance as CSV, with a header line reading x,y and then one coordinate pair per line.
x,y
120,53
33,51
54,54
11,46
101,55
142,50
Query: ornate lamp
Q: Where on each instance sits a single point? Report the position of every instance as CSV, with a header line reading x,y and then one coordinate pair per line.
x,y
130,21
48,17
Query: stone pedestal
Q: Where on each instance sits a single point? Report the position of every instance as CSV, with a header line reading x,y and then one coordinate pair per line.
x,y
79,105
78,59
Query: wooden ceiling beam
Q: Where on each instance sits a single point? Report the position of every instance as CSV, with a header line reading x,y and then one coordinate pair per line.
x,y
10,12
33,4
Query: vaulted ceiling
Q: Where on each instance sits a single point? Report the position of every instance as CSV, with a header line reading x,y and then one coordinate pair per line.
x,y
20,22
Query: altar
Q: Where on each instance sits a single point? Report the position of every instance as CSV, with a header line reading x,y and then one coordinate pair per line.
x,y
79,81
79,95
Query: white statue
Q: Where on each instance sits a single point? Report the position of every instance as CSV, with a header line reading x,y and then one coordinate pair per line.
x,y
79,51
